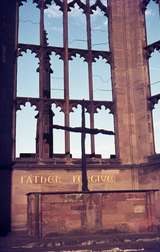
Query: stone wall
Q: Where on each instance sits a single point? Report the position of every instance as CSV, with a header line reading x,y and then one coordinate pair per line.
x,y
51,213
29,180
60,180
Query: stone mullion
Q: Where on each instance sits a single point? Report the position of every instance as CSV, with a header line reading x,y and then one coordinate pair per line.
x,y
8,18
15,86
66,75
44,121
8,44
90,72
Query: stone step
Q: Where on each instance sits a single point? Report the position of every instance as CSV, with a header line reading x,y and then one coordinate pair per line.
x,y
95,243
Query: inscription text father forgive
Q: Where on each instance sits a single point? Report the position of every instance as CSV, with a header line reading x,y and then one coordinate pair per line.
x,y
75,179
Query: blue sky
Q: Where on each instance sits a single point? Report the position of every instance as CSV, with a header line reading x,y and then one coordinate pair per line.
x,y
28,78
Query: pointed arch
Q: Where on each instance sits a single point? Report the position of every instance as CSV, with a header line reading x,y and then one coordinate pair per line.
x,y
29,16
27,75
152,17
104,144
26,130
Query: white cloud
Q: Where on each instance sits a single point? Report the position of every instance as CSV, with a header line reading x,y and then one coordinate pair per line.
x,y
97,12
149,13
155,68
76,12
53,11
56,29
106,22
104,2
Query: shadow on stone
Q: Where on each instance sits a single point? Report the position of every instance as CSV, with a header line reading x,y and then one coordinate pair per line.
x,y
5,201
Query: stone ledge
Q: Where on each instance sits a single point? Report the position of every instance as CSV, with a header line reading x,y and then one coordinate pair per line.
x,y
21,242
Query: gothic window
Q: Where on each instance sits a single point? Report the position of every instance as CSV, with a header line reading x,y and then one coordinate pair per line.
x,y
27,65
154,68
152,18
53,23
57,78
156,124
69,40
26,132
28,23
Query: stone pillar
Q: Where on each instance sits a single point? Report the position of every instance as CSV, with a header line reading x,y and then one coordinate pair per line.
x,y
133,119
44,141
7,78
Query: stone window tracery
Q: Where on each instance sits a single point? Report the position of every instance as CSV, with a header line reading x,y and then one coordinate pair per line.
x,y
57,84
152,19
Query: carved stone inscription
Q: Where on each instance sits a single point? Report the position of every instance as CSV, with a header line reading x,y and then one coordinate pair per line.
x,y
73,179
